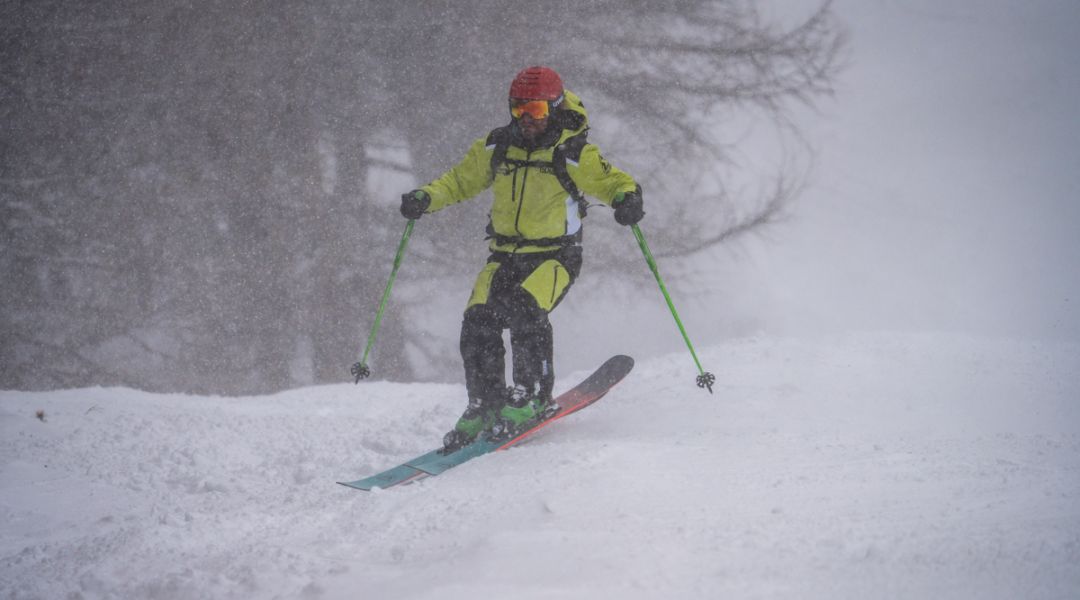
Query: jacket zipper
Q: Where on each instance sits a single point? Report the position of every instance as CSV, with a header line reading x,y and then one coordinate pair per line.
x,y
513,188
555,283
521,201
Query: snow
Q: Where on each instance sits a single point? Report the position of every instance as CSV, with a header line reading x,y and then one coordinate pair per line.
x,y
898,415
886,465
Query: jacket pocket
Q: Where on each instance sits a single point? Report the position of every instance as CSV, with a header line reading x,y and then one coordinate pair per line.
x,y
547,284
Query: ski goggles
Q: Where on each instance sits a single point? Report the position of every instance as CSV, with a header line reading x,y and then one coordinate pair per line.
x,y
537,109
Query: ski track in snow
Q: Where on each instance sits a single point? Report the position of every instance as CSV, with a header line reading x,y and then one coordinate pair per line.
x,y
870,465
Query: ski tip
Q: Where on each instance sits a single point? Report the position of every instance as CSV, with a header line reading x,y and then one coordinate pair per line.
x,y
620,363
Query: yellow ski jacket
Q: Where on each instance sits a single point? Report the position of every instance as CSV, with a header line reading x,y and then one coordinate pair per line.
x,y
530,204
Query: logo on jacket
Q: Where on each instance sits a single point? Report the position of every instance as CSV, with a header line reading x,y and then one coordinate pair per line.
x,y
605,165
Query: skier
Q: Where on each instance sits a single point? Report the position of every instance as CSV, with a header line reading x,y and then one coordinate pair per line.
x,y
538,167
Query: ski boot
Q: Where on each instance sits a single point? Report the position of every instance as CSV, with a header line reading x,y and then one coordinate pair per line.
x,y
478,417
523,409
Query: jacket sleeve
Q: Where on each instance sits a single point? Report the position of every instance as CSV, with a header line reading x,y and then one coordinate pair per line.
x,y
598,178
463,181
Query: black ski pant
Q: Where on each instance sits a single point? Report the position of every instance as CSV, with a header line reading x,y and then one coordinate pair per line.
x,y
515,292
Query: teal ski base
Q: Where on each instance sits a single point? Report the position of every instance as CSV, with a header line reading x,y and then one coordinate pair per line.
x,y
435,462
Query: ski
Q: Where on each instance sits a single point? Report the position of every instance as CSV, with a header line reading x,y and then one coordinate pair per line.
x,y
593,388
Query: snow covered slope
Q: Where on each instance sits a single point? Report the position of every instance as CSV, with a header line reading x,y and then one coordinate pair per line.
x,y
883,466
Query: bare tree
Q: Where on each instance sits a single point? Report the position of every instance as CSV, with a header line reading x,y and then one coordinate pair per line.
x,y
184,188
669,75
682,75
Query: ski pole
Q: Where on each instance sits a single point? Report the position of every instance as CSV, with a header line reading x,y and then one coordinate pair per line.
x,y
704,379
360,370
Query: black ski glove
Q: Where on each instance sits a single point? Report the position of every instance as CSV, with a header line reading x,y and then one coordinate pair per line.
x,y
629,207
414,204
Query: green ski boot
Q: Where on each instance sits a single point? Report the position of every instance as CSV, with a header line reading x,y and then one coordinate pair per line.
x,y
478,417
522,410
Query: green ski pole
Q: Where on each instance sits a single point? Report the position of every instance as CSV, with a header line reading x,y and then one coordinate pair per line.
x,y
360,370
704,379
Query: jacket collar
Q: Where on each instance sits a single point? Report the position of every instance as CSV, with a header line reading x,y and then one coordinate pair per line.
x,y
549,138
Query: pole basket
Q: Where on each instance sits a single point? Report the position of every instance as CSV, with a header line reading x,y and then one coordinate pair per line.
x,y
360,371
706,380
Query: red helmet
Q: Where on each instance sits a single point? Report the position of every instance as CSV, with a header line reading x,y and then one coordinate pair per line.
x,y
537,83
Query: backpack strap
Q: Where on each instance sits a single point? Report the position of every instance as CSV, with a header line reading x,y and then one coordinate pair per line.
x,y
570,149
519,242
500,138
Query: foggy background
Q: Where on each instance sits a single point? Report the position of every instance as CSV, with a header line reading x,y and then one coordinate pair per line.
x,y
204,198
948,177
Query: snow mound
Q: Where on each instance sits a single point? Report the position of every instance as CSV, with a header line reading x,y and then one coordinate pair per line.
x,y
876,465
